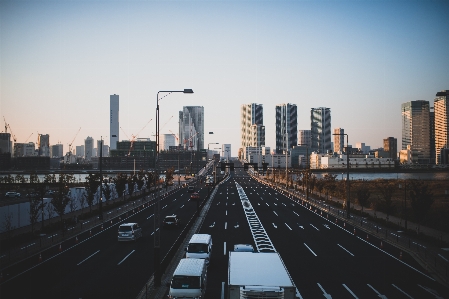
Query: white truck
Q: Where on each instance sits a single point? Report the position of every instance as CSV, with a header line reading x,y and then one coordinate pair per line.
x,y
259,275
189,279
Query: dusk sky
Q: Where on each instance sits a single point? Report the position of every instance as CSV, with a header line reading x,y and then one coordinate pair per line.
x,y
61,60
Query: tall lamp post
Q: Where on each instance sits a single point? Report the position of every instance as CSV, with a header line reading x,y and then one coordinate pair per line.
x,y
100,211
157,210
348,202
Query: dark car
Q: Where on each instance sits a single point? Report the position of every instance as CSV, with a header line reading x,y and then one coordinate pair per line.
x,y
171,221
195,196
191,189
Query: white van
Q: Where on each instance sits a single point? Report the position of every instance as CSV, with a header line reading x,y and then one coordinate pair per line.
x,y
200,247
189,279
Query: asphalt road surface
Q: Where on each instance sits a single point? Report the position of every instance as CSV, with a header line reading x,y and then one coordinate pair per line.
x,y
324,257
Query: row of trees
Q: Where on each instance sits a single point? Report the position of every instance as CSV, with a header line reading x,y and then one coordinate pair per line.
x,y
381,195
60,197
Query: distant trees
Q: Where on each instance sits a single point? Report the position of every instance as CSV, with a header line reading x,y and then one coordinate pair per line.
x,y
362,193
421,199
91,186
386,190
120,184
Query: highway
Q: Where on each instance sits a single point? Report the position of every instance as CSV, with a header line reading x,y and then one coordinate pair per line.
x,y
95,264
325,258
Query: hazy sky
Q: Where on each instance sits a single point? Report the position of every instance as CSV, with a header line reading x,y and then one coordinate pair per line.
x,y
61,60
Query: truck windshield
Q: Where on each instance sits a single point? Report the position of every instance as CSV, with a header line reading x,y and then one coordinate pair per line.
x,y
197,248
185,282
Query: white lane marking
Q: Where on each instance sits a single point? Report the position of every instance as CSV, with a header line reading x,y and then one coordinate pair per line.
x,y
396,258
275,213
402,291
288,227
378,294
88,257
350,292
164,207
295,213
154,232
226,225
222,290
126,257
28,246
275,204
326,226
150,216
267,204
300,226
345,249
314,227
433,292
326,295
226,212
224,248
310,249
443,257
181,206
284,204
275,225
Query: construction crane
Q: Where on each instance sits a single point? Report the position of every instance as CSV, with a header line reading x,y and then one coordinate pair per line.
x,y
28,138
176,136
6,130
190,140
70,144
133,139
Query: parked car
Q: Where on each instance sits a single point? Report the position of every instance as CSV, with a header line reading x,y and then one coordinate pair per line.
x,y
171,221
12,194
129,232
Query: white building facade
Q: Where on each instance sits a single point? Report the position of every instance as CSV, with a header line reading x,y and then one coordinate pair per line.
x,y
114,121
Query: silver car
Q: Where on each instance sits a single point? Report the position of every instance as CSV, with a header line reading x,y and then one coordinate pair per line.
x,y
129,232
12,194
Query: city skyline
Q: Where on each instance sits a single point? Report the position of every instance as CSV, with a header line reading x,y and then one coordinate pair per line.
x,y
360,59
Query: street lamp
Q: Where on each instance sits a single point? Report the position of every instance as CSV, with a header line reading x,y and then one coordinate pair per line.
x,y
348,202
100,211
157,210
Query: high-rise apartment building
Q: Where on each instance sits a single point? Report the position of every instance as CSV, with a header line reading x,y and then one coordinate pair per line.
x,y
304,138
441,109
416,130
191,127
56,151
321,129
89,148
391,147
79,151
339,140
5,143
114,121
252,128
44,145
286,127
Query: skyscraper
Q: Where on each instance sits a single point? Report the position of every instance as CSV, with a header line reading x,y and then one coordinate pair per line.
x,y
44,145
321,129
339,140
89,148
286,127
252,128
391,147
113,121
191,127
416,130
441,108
304,138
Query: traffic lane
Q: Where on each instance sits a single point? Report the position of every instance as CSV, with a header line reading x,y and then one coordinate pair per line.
x,y
381,260
81,250
227,224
